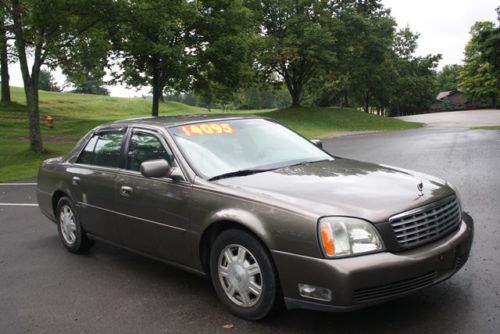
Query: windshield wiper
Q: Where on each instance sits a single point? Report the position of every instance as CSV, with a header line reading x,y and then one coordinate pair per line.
x,y
242,172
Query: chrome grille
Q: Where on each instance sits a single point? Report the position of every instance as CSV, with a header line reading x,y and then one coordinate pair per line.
x,y
427,223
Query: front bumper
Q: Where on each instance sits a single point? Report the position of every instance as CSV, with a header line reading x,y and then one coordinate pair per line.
x,y
370,279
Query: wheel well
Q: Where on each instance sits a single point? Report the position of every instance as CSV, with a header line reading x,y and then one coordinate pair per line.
x,y
211,233
55,200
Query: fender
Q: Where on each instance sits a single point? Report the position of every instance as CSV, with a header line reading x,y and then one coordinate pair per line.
x,y
243,217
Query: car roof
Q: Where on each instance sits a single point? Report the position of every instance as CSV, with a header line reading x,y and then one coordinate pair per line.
x,y
170,121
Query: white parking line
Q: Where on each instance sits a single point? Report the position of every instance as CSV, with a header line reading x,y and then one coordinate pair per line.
x,y
19,184
18,204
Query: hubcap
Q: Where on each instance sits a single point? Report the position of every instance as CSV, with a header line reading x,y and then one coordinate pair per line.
x,y
240,275
68,225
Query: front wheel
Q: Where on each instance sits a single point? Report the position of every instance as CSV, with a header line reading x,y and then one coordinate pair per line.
x,y
71,233
243,275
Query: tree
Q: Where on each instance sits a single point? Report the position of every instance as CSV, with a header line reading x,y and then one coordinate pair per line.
x,y
4,59
414,89
370,63
298,42
363,68
225,32
377,68
50,32
479,77
153,45
47,81
86,84
448,78
489,45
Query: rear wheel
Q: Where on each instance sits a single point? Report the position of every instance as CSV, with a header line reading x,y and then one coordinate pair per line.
x,y
70,230
243,275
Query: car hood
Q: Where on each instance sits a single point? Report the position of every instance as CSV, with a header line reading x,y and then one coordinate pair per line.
x,y
342,187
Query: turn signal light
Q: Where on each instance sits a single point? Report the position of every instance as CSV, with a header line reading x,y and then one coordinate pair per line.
x,y
327,239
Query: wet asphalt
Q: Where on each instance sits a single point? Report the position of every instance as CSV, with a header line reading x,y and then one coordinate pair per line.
x,y
44,289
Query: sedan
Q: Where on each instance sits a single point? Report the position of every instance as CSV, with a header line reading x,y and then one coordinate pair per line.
x,y
267,215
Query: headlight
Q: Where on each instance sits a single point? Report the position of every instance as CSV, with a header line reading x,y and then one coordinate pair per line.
x,y
343,236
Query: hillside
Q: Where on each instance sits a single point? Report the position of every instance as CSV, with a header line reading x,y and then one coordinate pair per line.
x,y
75,114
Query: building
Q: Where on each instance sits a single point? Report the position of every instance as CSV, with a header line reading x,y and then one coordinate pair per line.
x,y
450,100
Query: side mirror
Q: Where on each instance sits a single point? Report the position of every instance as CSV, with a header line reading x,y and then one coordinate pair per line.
x,y
155,168
317,142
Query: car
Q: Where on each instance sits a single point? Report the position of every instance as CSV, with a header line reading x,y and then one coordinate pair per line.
x,y
267,215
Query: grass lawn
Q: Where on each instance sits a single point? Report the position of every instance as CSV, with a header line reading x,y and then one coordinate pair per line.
x,y
75,114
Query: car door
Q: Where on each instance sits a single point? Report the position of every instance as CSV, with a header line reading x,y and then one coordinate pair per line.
x,y
155,210
93,183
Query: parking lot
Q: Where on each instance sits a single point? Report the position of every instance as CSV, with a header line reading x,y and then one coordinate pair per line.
x,y
45,289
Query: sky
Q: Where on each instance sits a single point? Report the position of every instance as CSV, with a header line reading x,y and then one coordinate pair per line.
x,y
443,26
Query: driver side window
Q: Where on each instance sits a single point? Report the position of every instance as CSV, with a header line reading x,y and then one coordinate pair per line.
x,y
145,146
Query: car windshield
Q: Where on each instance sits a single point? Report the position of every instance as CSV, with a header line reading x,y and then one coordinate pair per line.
x,y
220,147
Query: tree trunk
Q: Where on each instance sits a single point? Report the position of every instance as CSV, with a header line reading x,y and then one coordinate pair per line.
x,y
345,100
4,64
295,92
158,85
34,117
30,80
366,102
295,99
157,93
294,87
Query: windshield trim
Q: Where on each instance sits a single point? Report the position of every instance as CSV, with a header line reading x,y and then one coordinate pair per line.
x,y
236,118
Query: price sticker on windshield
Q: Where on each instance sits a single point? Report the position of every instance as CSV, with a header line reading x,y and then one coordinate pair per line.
x,y
206,129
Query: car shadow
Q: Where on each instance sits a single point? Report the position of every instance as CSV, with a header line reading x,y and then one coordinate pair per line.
x,y
414,313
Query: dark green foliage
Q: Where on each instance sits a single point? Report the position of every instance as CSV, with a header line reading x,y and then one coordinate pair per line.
x,y
250,98
152,44
299,42
414,88
488,41
377,69
47,82
480,77
90,87
369,60
448,78
226,33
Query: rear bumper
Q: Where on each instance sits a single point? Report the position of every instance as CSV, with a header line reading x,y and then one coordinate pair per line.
x,y
371,279
45,204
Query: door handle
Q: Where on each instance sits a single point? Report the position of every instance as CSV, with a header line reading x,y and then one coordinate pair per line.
x,y
126,191
75,181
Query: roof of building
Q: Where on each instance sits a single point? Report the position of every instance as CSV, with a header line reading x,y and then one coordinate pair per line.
x,y
445,94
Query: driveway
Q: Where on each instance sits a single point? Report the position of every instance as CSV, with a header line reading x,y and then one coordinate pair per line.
x,y
45,289
457,119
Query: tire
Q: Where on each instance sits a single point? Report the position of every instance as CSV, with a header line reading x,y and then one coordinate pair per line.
x,y
71,233
244,276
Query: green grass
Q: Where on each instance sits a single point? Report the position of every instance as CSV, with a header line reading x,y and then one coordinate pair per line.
x,y
487,127
75,114
322,122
